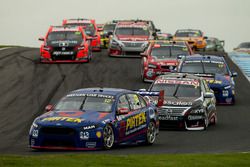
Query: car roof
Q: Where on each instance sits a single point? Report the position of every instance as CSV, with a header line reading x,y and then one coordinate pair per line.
x,y
106,91
64,28
188,30
198,57
131,24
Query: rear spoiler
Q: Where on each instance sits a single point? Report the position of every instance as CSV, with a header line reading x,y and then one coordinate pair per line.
x,y
149,94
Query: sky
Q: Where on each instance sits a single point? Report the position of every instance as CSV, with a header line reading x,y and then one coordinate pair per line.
x,y
24,21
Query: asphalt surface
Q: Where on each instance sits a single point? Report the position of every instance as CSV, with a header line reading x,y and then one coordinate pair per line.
x,y
26,87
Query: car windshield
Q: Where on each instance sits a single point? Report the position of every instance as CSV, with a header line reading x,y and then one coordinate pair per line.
x,y
109,27
204,68
169,52
244,45
88,27
188,34
65,35
132,31
178,90
85,103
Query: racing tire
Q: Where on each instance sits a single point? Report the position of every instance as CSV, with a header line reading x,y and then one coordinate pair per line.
x,y
151,133
206,122
214,120
108,137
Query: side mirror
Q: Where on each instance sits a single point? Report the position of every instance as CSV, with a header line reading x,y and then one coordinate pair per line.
x,y
122,111
234,74
208,95
154,34
48,108
235,48
142,90
99,29
143,54
180,56
222,43
157,30
41,39
110,33
205,37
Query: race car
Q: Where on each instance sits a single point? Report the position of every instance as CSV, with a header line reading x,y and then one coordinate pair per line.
x,y
195,38
90,28
99,27
162,57
243,48
129,39
189,103
64,44
214,44
215,71
108,29
96,118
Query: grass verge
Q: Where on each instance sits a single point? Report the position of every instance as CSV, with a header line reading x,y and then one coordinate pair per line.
x,y
183,160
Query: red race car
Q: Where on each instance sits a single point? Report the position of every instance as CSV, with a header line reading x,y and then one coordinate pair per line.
x,y
162,57
90,28
65,45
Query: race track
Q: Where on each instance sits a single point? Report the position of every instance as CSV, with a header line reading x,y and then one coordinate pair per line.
x,y
26,87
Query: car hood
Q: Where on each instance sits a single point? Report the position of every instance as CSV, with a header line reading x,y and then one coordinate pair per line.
x,y
63,43
168,62
179,101
216,81
73,118
132,38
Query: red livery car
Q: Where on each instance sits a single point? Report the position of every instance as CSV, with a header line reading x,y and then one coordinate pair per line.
x,y
64,44
90,27
162,57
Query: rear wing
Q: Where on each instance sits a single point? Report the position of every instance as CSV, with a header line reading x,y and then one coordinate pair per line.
x,y
149,94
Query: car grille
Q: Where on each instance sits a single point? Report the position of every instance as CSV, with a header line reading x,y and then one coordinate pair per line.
x,y
57,131
63,48
132,44
168,67
171,111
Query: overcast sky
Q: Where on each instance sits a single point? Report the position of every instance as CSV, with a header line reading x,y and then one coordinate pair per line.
x,y
23,21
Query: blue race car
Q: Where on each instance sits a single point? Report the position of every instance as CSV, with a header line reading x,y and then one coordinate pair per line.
x,y
96,118
216,72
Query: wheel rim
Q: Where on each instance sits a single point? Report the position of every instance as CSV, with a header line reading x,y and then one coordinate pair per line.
x,y
151,134
108,136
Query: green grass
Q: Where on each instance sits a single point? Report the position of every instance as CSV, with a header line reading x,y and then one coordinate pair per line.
x,y
6,46
182,160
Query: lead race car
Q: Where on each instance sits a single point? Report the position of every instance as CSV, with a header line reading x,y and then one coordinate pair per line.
x,y
63,44
188,102
95,118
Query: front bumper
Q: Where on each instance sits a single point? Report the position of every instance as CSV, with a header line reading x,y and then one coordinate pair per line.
x,y
224,96
69,139
190,122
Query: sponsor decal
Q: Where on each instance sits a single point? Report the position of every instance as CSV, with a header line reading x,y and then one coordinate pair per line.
x,y
66,119
71,114
168,118
90,144
91,95
84,135
195,83
98,134
195,117
135,123
89,127
178,103
57,53
212,81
